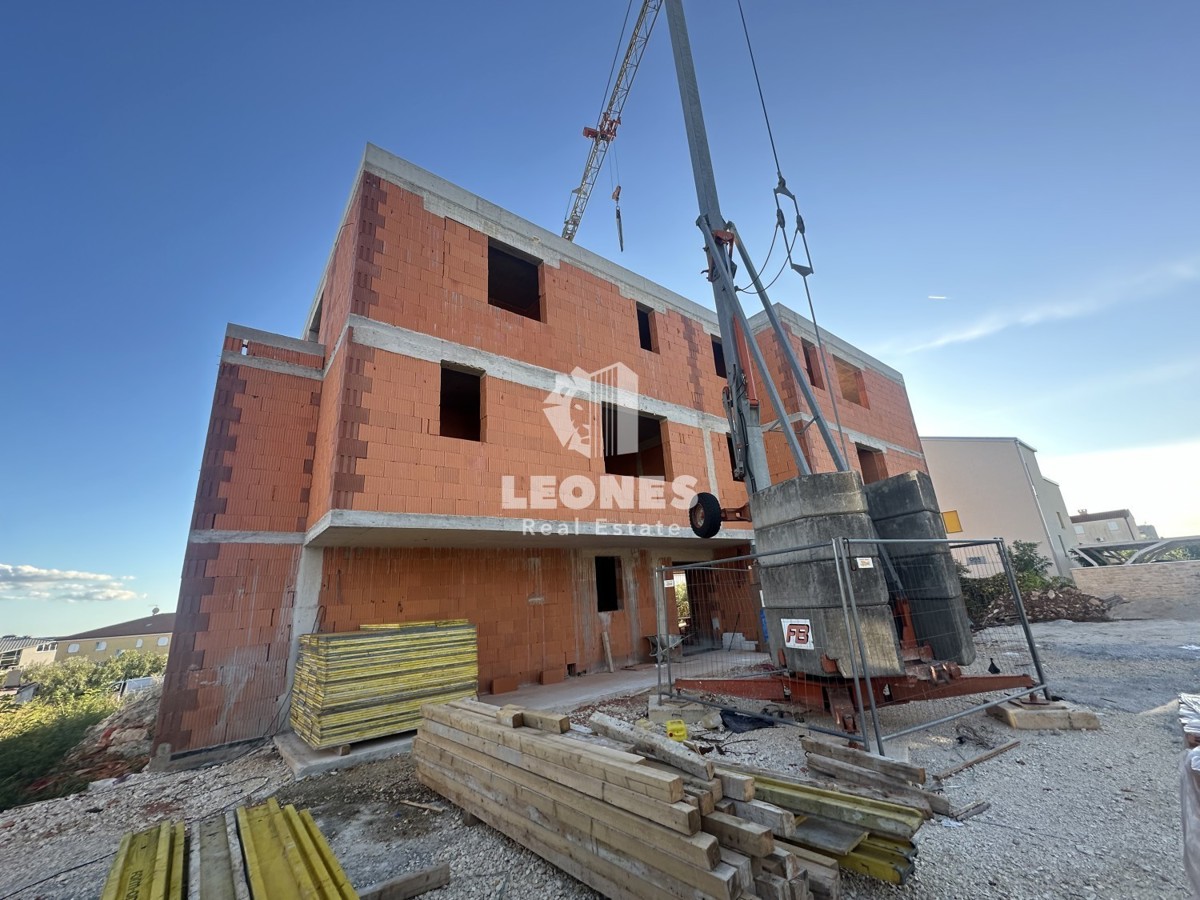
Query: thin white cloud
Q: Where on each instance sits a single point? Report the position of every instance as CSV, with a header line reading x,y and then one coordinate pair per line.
x,y
1152,282
31,583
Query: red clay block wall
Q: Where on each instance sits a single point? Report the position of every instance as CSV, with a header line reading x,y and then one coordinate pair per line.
x,y
226,671
535,609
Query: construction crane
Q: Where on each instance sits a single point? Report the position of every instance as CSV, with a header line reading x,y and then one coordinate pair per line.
x,y
610,117
912,603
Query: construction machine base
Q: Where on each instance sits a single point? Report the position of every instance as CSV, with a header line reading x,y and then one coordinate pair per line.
x,y
835,695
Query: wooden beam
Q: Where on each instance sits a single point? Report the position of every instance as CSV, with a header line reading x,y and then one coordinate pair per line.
x,y
744,837
679,816
408,885
659,747
621,769
895,769
854,775
696,849
824,880
976,760
782,822
640,858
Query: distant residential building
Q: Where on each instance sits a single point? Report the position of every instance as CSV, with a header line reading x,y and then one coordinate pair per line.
x,y
1113,525
19,652
150,635
992,487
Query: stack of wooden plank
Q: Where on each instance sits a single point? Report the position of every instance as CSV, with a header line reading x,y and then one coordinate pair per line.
x,y
897,781
353,686
857,829
631,825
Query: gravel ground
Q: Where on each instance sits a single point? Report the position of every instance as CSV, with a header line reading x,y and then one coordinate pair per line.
x,y
1073,815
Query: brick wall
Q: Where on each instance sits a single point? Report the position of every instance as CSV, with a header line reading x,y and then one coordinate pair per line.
x,y
535,609
225,675
885,413
1166,590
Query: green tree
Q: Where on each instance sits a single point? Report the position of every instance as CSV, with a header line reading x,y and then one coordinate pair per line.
x,y
59,683
1030,567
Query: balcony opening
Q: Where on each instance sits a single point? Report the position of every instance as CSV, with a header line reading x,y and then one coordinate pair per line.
x,y
513,281
460,404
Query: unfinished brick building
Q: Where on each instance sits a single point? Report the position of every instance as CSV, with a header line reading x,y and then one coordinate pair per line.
x,y
394,464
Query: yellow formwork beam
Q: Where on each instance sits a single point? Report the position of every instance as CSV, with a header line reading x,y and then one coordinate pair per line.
x,y
353,686
287,857
149,865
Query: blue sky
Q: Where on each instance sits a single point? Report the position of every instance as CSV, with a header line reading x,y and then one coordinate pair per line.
x,y
168,169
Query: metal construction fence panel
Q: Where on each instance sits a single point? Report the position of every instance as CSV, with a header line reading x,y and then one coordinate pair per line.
x,y
862,638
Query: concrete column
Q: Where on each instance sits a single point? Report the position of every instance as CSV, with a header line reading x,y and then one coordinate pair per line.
x,y
305,605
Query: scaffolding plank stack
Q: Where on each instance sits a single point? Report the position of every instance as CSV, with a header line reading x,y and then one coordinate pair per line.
x,y
354,686
625,825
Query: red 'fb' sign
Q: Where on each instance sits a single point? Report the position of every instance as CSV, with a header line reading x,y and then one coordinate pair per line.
x,y
797,634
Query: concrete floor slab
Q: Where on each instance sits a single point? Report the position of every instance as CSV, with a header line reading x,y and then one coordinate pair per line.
x,y
567,695
305,762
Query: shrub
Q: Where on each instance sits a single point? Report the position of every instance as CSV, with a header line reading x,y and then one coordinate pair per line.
x,y
35,737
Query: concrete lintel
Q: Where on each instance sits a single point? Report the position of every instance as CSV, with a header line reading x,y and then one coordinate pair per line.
x,y
282,341
418,345
359,528
213,536
271,365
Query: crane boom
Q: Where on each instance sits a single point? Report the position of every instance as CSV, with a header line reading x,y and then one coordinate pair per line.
x,y
610,117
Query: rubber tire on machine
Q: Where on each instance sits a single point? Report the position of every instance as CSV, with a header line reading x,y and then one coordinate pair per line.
x,y
705,515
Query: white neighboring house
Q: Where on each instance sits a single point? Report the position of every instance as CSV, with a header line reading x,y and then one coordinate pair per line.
x,y
991,487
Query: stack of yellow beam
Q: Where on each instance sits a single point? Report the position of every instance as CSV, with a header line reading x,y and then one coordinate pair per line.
x,y
278,854
631,827
286,855
149,865
365,684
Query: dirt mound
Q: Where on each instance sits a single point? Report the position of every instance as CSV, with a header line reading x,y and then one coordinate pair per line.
x,y
1048,605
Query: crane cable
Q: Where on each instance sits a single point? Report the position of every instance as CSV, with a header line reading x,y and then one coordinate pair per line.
x,y
803,270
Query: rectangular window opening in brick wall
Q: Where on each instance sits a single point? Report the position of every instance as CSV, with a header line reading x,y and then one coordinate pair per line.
x,y
649,460
460,404
718,357
647,328
812,365
608,584
850,382
732,463
513,281
872,464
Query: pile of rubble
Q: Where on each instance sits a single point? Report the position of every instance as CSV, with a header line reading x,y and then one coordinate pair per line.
x,y
114,747
1049,605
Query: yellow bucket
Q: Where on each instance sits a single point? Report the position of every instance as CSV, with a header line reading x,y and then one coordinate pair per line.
x,y
677,729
